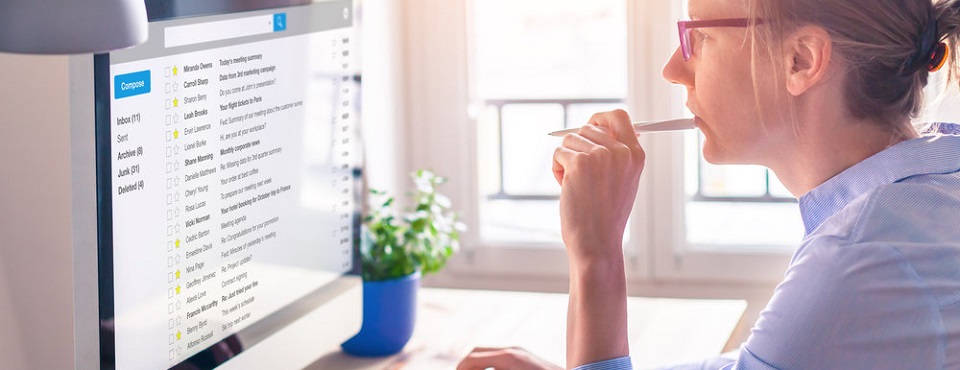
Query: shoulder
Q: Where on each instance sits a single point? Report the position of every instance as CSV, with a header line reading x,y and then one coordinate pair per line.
x,y
922,209
915,209
909,229
865,298
872,280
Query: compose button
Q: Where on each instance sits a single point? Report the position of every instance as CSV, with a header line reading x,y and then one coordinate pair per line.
x,y
131,84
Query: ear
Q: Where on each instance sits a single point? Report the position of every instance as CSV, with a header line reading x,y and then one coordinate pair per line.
x,y
807,53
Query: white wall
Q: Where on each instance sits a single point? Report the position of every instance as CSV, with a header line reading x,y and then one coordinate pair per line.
x,y
36,265
11,349
382,112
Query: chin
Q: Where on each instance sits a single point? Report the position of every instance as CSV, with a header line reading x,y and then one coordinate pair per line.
x,y
714,155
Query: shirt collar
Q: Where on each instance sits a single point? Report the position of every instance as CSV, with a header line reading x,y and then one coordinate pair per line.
x,y
938,151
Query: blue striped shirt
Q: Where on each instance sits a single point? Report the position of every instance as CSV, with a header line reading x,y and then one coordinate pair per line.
x,y
875,284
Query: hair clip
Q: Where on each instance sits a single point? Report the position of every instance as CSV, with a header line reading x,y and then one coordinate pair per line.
x,y
939,57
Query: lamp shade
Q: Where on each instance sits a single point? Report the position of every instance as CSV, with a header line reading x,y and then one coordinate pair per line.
x,y
71,26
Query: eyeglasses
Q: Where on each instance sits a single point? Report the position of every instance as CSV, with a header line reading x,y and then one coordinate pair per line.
x,y
686,43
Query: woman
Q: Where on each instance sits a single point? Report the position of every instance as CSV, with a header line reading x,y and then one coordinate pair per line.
x,y
822,92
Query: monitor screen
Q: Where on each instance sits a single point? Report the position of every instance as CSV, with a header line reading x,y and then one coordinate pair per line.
x,y
226,175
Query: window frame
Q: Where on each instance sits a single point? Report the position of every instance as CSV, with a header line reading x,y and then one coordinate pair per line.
x,y
440,127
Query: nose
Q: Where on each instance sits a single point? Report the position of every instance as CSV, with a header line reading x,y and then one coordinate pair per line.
x,y
677,71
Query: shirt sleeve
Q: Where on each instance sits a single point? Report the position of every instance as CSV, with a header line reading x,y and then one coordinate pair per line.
x,y
619,363
843,304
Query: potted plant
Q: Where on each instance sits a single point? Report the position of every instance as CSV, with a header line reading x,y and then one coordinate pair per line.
x,y
394,253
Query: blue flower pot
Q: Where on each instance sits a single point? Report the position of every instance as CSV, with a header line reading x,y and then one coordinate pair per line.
x,y
389,312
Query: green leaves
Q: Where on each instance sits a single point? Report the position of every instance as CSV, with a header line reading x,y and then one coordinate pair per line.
x,y
428,236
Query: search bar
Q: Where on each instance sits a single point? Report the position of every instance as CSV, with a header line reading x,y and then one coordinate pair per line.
x,y
223,30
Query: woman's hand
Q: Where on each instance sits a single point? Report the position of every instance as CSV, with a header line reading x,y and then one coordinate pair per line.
x,y
599,170
504,358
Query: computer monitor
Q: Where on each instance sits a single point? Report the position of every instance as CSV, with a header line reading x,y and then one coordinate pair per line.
x,y
227,176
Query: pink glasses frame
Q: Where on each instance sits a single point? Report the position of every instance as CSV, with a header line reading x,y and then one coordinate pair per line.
x,y
684,28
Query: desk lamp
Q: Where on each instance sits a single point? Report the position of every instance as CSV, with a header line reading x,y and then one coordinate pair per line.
x,y
71,26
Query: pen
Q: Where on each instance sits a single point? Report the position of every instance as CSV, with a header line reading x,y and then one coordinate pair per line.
x,y
647,126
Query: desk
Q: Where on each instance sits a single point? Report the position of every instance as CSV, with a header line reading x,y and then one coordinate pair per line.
x,y
451,322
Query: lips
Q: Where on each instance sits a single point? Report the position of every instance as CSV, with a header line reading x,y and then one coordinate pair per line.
x,y
696,117
697,121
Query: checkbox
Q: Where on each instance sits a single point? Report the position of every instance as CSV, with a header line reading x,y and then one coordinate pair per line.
x,y
169,151
169,214
169,246
171,354
171,338
170,326
170,280
168,104
169,230
169,183
170,308
169,135
166,72
170,293
169,199
166,88
169,119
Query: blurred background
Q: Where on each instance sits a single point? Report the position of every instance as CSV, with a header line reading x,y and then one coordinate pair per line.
x,y
469,89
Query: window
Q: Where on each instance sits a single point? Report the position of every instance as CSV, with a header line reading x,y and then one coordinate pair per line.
x,y
536,66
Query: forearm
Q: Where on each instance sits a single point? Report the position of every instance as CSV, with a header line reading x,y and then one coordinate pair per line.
x,y
597,312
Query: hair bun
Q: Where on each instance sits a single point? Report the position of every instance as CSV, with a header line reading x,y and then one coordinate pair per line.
x,y
928,49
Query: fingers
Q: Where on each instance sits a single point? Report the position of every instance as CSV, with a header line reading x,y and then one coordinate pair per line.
x,y
562,157
504,358
606,133
479,359
618,122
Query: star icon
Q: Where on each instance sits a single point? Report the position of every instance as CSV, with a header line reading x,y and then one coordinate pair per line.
x,y
178,274
178,246
174,70
176,102
178,289
176,133
178,335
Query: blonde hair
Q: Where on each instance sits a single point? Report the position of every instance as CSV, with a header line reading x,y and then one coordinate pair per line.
x,y
881,42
